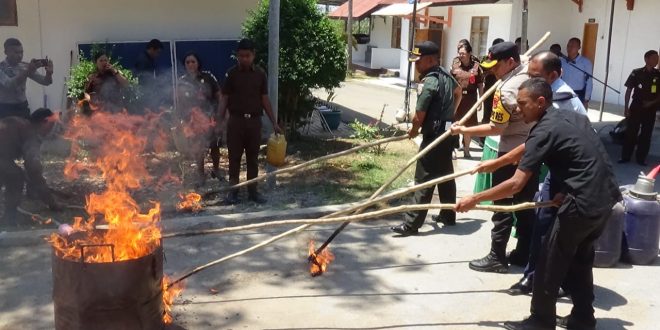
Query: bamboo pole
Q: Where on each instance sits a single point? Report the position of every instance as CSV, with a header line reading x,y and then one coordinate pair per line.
x,y
352,218
358,217
433,144
303,227
311,162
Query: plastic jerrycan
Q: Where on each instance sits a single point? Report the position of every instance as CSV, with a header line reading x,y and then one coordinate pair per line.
x,y
608,245
276,149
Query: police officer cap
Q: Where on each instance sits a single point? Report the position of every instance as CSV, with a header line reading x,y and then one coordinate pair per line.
x,y
422,49
501,51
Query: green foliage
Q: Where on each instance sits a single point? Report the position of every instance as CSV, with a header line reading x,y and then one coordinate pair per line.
x,y
79,73
312,54
367,132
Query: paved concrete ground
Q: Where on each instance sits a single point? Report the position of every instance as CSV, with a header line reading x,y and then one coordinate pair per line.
x,y
378,280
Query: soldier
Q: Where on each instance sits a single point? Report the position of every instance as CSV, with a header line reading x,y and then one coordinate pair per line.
x,y
245,97
21,139
13,77
504,62
641,112
436,104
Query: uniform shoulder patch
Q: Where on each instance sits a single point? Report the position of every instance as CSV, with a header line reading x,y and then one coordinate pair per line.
x,y
499,114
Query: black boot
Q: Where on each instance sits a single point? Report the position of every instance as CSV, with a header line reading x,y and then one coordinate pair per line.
x,y
530,323
524,286
570,322
256,197
404,229
490,264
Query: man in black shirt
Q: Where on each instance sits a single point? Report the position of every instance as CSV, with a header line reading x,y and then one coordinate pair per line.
x,y
645,102
584,189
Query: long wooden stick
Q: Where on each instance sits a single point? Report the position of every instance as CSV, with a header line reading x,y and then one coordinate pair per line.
x,y
358,217
433,144
303,227
352,218
311,162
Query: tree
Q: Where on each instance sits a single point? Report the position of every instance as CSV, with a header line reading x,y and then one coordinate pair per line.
x,y
312,54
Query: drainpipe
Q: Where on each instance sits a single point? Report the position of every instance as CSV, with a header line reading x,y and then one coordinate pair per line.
x,y
607,64
273,65
349,37
411,44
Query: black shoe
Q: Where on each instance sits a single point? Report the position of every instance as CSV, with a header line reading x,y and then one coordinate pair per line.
x,y
232,198
524,286
530,323
216,175
515,258
404,229
489,264
257,198
643,163
569,322
444,221
623,160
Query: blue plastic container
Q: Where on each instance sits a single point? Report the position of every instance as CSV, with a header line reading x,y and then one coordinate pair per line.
x,y
642,228
608,246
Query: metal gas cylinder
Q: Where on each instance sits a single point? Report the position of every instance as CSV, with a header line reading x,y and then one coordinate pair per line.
x,y
642,220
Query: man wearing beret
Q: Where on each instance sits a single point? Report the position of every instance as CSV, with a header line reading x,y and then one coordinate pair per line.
x,y
507,122
437,101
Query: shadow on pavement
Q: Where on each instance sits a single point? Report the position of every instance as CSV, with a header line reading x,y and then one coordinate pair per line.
x,y
606,299
487,324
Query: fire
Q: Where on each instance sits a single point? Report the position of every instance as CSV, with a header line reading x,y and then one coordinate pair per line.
x,y
190,202
169,294
198,124
320,262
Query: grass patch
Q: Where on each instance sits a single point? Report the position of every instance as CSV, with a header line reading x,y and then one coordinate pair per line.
x,y
352,177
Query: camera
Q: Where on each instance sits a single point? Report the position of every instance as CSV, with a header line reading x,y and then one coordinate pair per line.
x,y
43,62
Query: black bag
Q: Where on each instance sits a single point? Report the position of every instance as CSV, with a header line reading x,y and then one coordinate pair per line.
x,y
619,131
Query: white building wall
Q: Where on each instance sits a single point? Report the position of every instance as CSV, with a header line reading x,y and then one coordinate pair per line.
x,y
53,28
634,33
499,25
381,33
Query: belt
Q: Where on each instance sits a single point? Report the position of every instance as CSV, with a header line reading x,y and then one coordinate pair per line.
x,y
247,115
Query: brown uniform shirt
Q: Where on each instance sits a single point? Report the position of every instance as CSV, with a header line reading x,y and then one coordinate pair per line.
x,y
244,89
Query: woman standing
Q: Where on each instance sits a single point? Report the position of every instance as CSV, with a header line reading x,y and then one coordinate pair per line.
x,y
469,75
104,86
199,89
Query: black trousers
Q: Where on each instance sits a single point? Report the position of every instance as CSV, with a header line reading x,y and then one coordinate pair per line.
x,y
436,163
639,117
14,109
12,178
243,134
567,257
503,221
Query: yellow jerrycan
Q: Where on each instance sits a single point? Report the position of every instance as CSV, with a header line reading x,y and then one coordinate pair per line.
x,y
276,149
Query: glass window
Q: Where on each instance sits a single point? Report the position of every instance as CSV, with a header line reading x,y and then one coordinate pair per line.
x,y
479,35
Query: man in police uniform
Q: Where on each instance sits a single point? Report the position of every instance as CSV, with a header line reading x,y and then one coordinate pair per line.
x,y
436,103
583,187
641,112
245,97
504,62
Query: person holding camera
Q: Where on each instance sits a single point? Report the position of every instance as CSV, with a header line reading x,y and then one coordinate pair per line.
x,y
105,85
13,79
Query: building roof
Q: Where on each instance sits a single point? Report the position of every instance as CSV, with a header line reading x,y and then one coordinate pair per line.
x,y
364,8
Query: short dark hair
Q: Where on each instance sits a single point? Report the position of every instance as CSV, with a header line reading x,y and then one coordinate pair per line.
x,y
549,61
650,53
497,41
246,44
193,54
555,49
12,42
538,87
155,44
576,39
40,115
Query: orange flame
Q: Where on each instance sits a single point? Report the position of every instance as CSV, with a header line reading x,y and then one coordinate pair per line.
x,y
198,124
169,294
190,202
320,262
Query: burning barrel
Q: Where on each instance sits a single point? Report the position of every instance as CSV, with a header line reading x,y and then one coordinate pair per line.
x,y
98,292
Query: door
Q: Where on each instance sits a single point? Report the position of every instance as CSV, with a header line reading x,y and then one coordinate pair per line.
x,y
589,39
